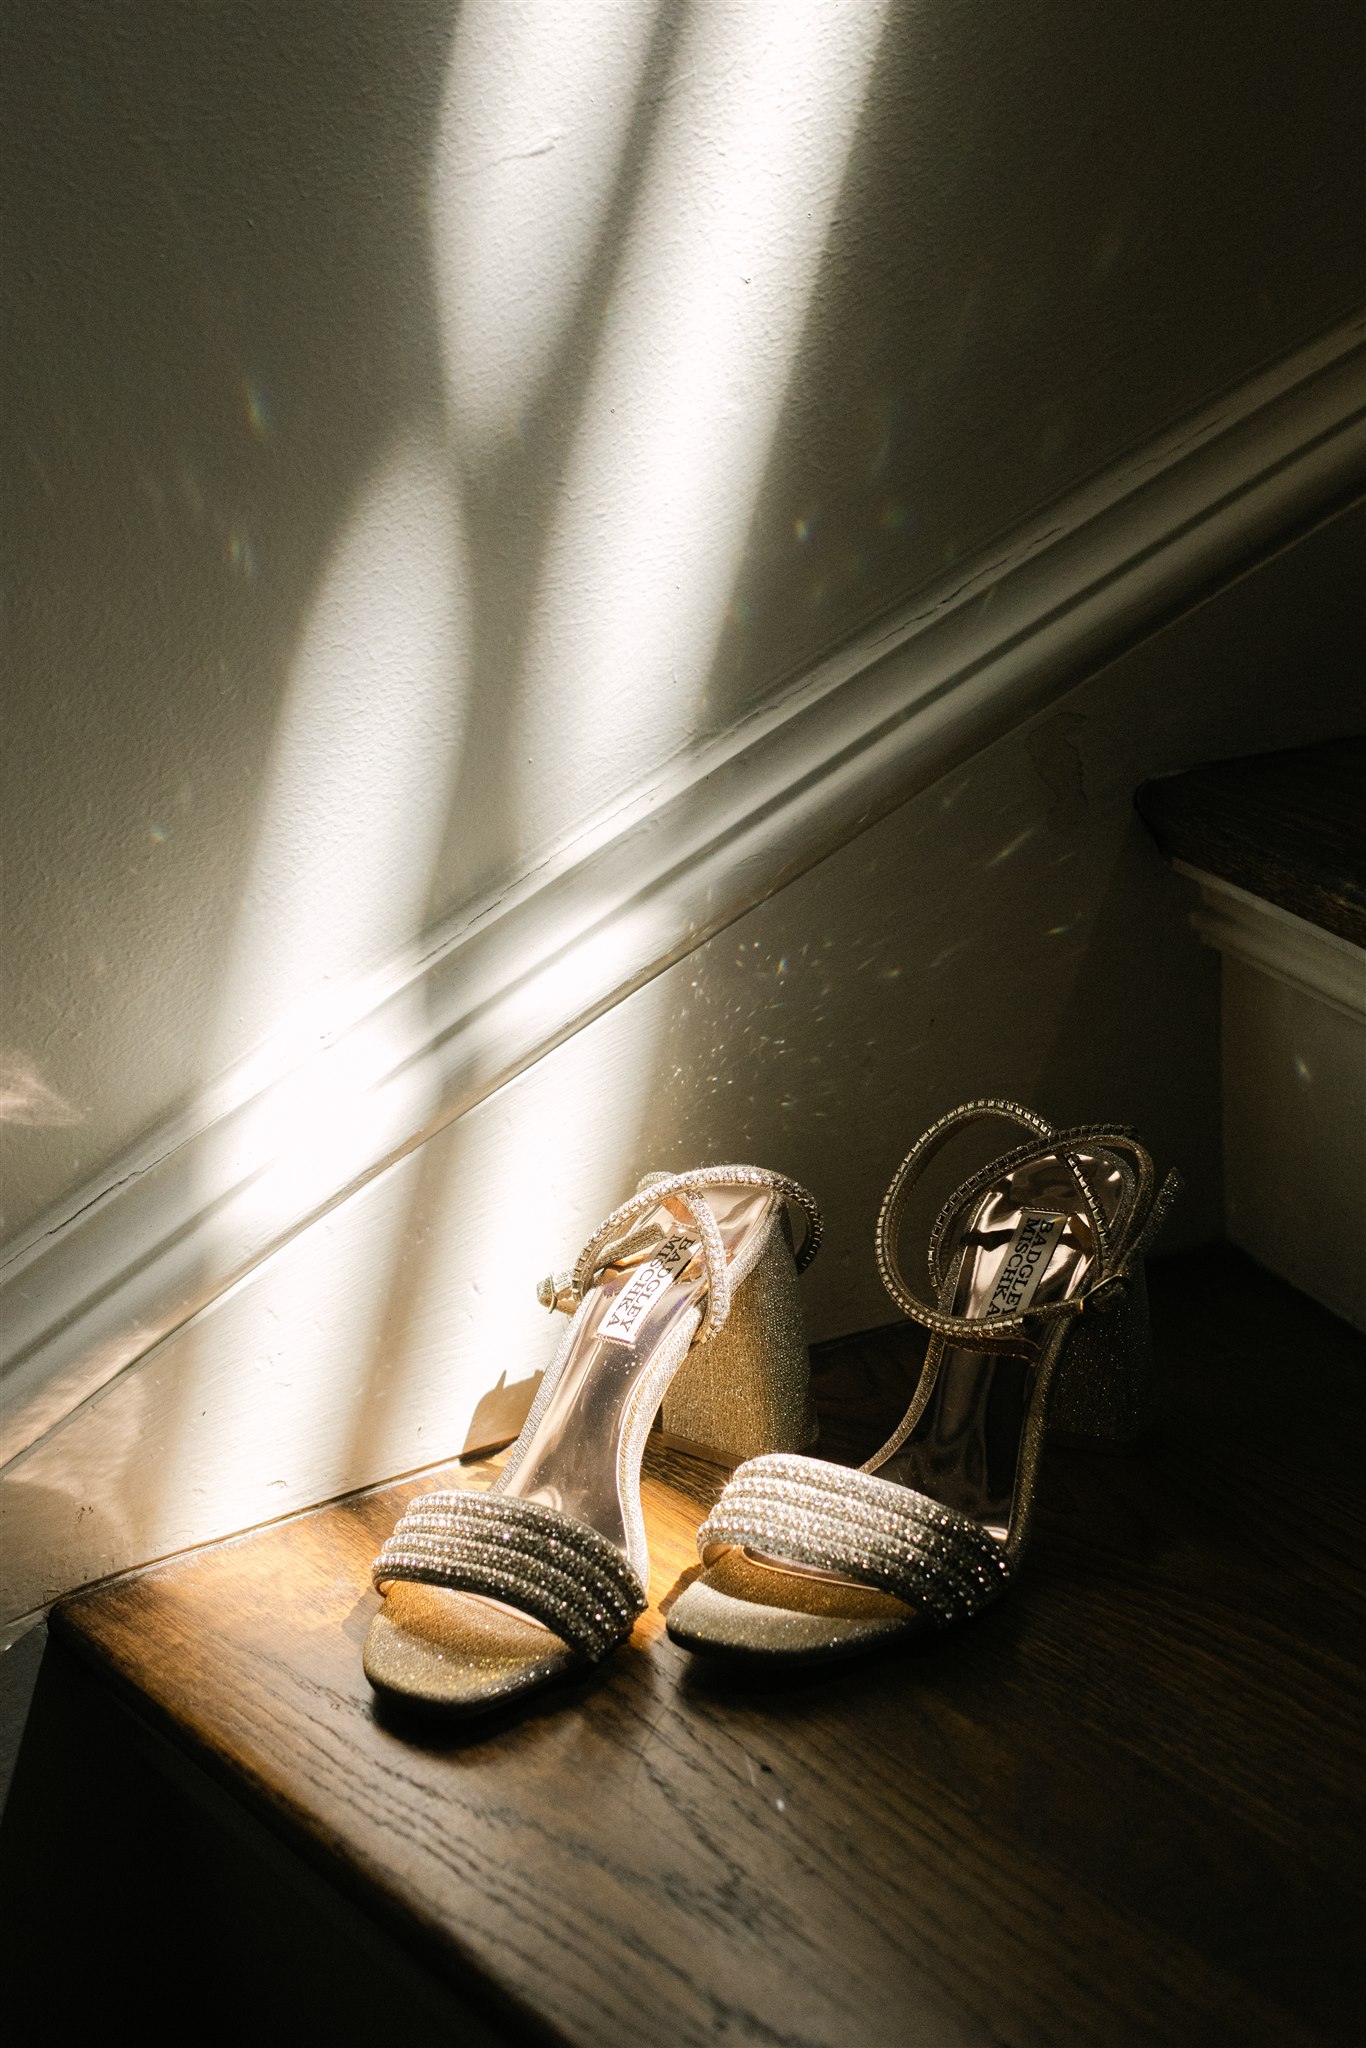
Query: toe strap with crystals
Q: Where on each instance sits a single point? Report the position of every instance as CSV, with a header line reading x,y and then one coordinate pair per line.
x,y
829,1519
544,1563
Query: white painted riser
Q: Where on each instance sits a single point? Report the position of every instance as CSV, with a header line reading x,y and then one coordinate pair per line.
x,y
1295,1137
1293,1034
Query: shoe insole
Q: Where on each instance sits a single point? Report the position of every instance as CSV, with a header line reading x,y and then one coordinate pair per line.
x,y
1030,1241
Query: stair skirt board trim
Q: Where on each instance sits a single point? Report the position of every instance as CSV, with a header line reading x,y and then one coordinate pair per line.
x,y
1276,942
205,1199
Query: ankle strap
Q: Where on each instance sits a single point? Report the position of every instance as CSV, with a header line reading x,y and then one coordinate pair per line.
x,y
614,1238
1119,1250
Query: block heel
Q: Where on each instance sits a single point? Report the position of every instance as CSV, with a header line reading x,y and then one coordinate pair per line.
x,y
749,1390
1102,1393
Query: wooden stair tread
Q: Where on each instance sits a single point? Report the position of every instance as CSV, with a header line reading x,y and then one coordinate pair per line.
x,y
1122,1807
1288,827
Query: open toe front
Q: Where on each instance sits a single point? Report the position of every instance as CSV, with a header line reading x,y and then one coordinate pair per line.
x,y
492,1595
458,1652
742,1608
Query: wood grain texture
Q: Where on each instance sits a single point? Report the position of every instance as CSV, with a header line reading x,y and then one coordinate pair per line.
x,y
1124,1807
1290,827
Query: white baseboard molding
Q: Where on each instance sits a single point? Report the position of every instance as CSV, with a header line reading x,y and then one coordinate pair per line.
x,y
202,1202
1277,943
1293,1049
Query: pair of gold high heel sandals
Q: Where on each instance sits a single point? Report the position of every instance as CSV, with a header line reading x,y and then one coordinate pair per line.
x,y
684,1305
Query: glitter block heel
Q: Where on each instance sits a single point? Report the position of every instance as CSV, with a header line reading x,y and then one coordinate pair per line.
x,y
491,1595
1103,1386
1038,1325
749,1390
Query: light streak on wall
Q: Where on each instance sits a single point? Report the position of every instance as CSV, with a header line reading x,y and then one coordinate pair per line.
x,y
709,309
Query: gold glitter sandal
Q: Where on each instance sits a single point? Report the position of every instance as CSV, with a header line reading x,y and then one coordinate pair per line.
x,y
686,1296
1040,1322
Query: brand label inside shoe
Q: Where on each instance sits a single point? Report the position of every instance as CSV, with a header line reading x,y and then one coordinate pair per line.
x,y
628,1312
1026,1261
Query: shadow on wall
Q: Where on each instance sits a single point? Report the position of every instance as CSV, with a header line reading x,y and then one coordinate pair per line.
x,y
395,408
1054,240
220,319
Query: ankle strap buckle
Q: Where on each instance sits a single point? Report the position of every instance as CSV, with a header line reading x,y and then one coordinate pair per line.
x,y
556,1291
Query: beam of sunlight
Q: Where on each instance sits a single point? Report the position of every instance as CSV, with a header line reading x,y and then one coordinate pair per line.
x,y
509,1191
709,307
538,108
241,1415
363,1346
352,815
269,1378
27,1100
599,960
363,758
1013,846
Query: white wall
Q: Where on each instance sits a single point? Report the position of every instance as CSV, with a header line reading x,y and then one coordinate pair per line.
x,y
423,422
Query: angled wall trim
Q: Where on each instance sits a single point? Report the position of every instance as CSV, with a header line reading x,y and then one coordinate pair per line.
x,y
202,1202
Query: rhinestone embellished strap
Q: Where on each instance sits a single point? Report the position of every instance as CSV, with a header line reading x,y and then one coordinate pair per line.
x,y
550,1566
1118,1253
615,1236
830,1519
1065,1147
1007,1333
